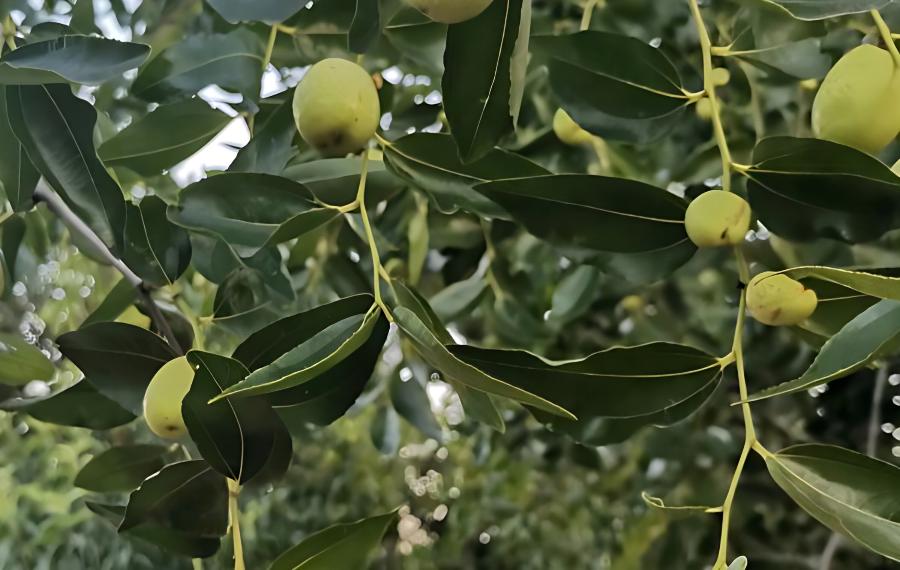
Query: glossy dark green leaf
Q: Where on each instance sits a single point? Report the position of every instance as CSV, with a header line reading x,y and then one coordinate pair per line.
x,y
188,497
798,188
458,299
873,284
268,11
120,468
593,212
164,137
249,211
21,362
270,149
437,355
80,405
18,177
418,39
477,80
821,9
56,129
119,298
346,545
411,402
429,162
607,81
850,493
366,26
233,61
234,436
336,180
867,337
334,341
118,359
155,248
76,59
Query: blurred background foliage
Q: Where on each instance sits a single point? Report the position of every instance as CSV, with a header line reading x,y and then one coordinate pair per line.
x,y
473,498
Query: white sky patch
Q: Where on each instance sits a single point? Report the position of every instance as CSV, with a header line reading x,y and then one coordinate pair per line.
x,y
217,155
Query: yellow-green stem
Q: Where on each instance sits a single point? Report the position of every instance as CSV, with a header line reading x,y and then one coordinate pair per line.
x,y
710,89
267,59
234,514
589,13
377,268
886,36
9,32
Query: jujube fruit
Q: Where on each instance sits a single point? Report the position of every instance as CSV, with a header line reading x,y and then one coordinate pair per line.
x,y
857,104
568,131
450,11
776,299
717,218
162,400
336,107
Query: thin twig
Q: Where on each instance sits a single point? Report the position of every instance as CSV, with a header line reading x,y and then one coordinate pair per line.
x,y
77,226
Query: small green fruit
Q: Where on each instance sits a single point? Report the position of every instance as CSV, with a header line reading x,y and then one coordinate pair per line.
x,y
568,131
776,299
704,109
857,102
336,107
720,76
450,11
162,400
717,218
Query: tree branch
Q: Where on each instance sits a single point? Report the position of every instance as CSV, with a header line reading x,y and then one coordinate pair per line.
x,y
77,226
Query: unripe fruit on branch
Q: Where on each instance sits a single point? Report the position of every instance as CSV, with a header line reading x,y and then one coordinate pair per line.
x,y
776,299
162,400
336,107
568,131
717,218
703,109
450,11
720,76
857,104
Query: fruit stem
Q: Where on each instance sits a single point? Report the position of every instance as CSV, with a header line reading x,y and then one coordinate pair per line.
x,y
886,36
377,268
750,440
9,32
589,13
267,59
234,491
710,89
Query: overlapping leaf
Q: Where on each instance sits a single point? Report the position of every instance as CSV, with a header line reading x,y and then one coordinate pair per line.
x,y
76,59
249,211
798,188
268,11
154,248
80,405
336,180
20,362
18,177
120,468
852,494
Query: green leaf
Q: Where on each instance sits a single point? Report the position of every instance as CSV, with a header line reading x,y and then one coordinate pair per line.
x,y
384,431
234,436
798,188
18,177
458,298
872,334
182,543
80,405
593,212
321,352
164,137
233,61
477,80
155,248
418,38
249,211
881,286
366,26
340,546
118,359
607,81
802,59
119,298
336,180
822,9
268,11
56,129
120,468
437,355
21,362
411,402
76,59
270,149
188,497
429,162
575,293
850,493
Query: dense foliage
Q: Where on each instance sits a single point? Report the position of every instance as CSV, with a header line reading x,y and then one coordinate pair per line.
x,y
489,284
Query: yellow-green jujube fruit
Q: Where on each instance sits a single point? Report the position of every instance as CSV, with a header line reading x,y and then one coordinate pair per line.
x,y
717,218
703,109
162,400
450,11
857,104
336,107
568,131
776,299
720,76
